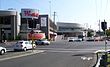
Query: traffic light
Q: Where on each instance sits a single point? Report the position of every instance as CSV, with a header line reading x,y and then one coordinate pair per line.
x,y
104,25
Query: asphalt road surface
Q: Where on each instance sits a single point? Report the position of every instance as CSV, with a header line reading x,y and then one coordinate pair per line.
x,y
57,54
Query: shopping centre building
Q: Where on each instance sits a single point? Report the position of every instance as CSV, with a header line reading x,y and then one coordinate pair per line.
x,y
14,24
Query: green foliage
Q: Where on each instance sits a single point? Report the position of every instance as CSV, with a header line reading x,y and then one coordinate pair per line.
x,y
108,32
10,38
18,37
89,34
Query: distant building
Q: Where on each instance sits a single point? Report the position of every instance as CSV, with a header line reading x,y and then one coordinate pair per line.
x,y
70,29
9,24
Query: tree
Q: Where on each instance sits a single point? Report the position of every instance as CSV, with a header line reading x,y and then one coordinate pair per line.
x,y
108,32
89,34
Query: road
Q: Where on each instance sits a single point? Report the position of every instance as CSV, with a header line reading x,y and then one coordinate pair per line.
x,y
57,54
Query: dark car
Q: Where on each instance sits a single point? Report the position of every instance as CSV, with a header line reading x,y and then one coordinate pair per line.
x,y
42,42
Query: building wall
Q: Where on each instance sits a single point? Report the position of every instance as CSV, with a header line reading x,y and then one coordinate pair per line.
x,y
70,29
50,28
9,23
45,26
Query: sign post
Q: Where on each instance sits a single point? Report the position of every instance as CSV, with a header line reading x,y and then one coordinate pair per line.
x,y
32,38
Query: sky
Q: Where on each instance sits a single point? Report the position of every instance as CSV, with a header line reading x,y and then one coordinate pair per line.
x,y
85,12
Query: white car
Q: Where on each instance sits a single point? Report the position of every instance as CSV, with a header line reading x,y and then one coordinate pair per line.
x,y
2,50
24,45
75,40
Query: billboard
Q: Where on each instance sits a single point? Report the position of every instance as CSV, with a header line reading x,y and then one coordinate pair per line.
x,y
43,21
30,13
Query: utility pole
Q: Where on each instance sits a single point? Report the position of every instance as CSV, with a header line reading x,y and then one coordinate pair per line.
x,y
53,23
50,8
99,29
99,25
54,16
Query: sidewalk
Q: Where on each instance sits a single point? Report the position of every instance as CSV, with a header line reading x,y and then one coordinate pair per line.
x,y
7,44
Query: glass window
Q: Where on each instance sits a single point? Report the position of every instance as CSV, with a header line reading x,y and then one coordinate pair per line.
x,y
5,20
26,42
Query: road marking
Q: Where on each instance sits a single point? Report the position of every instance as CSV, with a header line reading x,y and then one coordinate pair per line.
x,y
68,51
27,54
64,49
86,58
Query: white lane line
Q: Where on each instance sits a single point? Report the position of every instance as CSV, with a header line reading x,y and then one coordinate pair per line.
x,y
63,49
86,58
68,51
27,54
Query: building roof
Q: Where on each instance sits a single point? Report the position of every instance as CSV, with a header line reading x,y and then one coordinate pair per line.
x,y
70,25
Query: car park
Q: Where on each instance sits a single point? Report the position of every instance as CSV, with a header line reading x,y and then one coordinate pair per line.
x,y
24,45
2,50
42,42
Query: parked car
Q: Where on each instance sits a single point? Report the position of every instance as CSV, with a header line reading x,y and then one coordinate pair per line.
x,y
2,50
24,45
42,42
75,40
90,40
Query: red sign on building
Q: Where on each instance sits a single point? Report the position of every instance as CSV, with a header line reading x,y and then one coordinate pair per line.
x,y
36,36
30,13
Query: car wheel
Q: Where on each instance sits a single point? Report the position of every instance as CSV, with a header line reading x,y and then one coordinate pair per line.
x,y
47,43
42,43
2,52
36,43
25,49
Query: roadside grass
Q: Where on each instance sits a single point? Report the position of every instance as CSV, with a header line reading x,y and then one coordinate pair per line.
x,y
108,60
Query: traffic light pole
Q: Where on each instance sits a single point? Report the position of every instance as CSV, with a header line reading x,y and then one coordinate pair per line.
x,y
104,27
105,49
105,41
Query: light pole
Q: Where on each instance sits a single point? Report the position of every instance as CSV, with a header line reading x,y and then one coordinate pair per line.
x,y
53,25
50,8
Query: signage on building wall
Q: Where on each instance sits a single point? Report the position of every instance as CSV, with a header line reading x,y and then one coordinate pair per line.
x,y
30,13
43,21
36,36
